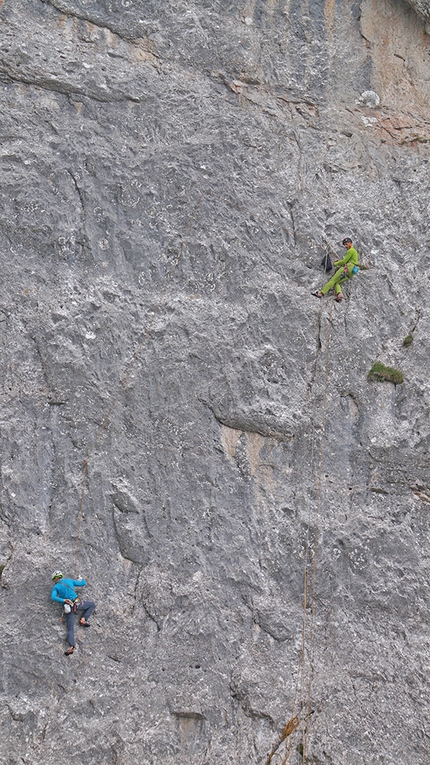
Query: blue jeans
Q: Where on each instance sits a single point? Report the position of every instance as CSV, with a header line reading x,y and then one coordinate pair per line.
x,y
87,606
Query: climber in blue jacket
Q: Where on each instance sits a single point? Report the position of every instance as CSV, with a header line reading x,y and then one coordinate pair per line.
x,y
63,592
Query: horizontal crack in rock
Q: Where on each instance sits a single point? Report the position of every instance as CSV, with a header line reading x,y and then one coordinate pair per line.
x,y
62,8
65,89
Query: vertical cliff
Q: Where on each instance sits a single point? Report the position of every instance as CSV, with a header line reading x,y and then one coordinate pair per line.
x,y
183,423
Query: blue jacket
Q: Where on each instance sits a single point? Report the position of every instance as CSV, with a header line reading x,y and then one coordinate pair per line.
x,y
64,589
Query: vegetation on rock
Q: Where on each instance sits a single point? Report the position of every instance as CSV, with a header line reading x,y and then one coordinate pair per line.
x,y
381,373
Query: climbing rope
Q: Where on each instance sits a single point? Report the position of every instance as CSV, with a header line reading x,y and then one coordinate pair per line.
x,y
136,355
307,631
290,728
128,373
315,545
305,670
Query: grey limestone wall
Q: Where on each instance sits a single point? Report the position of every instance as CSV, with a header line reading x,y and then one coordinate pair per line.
x,y
171,175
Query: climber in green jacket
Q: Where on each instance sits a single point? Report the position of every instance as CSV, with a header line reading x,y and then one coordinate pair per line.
x,y
348,267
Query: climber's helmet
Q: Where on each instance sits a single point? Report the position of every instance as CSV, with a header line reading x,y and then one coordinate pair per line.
x,y
57,575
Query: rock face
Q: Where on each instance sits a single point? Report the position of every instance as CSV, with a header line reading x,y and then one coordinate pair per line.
x,y
253,515
422,7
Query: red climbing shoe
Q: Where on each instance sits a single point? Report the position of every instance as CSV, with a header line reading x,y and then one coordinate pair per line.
x,y
69,651
83,623
339,298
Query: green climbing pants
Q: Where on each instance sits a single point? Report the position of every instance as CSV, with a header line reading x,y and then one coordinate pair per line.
x,y
339,277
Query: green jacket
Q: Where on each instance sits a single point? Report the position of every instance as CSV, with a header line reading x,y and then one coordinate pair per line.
x,y
350,260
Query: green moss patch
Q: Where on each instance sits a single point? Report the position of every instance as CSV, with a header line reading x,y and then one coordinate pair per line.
x,y
408,340
381,373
